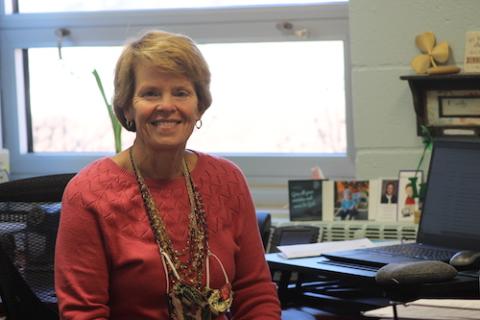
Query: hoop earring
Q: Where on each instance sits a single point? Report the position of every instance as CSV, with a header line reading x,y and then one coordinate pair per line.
x,y
198,124
129,124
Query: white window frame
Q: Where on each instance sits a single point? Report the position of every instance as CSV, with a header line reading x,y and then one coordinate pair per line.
x,y
324,22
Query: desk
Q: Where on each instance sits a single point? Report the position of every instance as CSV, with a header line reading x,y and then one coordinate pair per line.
x,y
349,289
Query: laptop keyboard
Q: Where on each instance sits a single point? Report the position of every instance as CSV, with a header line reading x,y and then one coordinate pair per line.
x,y
415,251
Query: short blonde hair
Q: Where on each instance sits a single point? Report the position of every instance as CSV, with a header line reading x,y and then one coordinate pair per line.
x,y
173,53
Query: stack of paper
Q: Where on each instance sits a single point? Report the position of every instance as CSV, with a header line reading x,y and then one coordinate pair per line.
x,y
316,249
438,309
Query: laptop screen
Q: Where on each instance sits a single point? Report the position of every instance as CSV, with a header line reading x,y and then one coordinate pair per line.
x,y
451,211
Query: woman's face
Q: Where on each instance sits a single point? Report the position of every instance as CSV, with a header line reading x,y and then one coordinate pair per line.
x,y
165,108
409,191
389,189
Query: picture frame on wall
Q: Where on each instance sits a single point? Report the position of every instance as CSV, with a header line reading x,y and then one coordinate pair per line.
x,y
408,205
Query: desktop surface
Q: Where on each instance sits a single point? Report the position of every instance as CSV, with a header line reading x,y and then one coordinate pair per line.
x,y
321,265
464,284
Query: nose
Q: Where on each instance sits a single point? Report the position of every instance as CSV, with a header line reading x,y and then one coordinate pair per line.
x,y
166,104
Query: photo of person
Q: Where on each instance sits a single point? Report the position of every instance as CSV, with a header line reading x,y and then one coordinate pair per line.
x,y
351,200
390,191
409,200
348,207
408,203
386,193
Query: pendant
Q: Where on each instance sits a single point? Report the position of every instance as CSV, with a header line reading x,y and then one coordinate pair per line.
x,y
220,300
188,303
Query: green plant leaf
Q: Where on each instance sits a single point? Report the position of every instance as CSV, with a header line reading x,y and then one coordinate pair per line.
x,y
116,126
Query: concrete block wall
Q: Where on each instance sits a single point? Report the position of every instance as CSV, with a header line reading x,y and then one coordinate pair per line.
x,y
382,35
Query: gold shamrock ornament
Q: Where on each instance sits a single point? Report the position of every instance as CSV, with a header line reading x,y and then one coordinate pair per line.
x,y
432,55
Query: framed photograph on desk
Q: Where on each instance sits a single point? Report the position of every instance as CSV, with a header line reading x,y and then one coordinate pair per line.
x,y
351,200
387,199
305,200
408,206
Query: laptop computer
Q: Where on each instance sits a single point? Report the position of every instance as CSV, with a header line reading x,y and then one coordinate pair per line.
x,y
450,219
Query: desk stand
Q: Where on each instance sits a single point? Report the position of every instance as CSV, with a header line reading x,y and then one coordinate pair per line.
x,y
395,311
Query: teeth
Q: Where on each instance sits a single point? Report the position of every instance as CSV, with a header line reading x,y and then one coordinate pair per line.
x,y
165,123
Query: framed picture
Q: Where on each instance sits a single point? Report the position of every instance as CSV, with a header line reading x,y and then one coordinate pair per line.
x,y
351,200
389,192
407,209
448,105
305,199
453,108
385,193
472,52
3,176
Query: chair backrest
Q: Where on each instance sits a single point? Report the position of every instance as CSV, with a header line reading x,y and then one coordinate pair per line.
x,y
29,217
264,221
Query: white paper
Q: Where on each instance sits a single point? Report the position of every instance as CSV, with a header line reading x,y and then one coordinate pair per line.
x,y
441,309
4,160
4,165
328,205
472,52
316,249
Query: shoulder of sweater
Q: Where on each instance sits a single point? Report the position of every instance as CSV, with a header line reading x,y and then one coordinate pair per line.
x,y
217,163
221,175
98,174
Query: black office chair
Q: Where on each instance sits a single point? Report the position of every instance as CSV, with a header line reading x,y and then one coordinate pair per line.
x,y
264,220
29,217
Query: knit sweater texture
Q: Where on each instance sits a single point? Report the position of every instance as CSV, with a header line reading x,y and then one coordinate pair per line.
x,y
108,265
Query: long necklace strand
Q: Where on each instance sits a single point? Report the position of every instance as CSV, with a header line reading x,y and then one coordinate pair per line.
x,y
197,240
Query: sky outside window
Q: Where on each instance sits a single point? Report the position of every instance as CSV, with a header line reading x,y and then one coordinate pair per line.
x,y
36,6
272,97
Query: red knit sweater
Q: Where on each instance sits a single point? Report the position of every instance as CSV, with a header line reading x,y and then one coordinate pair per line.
x,y
107,264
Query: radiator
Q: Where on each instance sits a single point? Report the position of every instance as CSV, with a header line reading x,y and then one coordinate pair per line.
x,y
338,231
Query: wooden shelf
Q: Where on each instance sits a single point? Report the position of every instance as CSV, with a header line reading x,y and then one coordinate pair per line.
x,y
421,84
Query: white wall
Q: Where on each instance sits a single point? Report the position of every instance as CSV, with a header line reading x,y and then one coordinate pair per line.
x,y
383,43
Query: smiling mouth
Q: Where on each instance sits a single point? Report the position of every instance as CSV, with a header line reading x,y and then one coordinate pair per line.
x,y
165,123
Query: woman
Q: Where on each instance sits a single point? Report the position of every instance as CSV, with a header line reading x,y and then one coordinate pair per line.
x,y
389,196
158,231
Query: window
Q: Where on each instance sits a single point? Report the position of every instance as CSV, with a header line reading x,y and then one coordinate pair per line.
x,y
307,117
35,6
298,77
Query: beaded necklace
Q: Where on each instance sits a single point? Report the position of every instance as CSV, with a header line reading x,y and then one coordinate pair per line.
x,y
188,298
197,241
